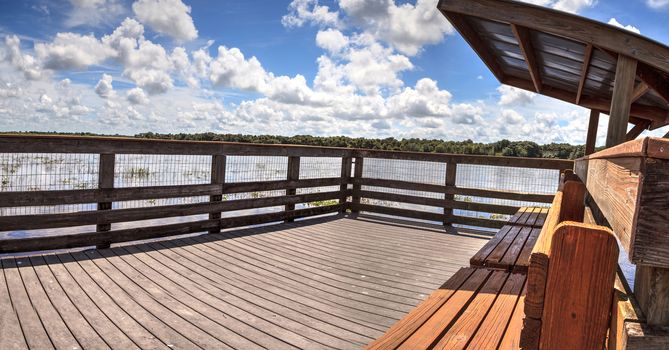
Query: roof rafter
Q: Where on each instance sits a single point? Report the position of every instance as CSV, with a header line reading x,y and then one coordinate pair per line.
x,y
639,91
525,42
654,114
656,80
587,57
566,25
637,130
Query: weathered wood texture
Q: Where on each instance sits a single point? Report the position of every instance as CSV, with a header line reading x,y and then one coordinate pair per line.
x,y
575,305
319,283
293,175
449,199
628,184
218,163
591,139
105,182
621,101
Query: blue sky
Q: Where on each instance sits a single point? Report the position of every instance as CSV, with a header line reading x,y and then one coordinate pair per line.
x,y
374,68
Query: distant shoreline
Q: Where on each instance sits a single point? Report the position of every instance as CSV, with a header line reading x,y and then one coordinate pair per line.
x,y
500,148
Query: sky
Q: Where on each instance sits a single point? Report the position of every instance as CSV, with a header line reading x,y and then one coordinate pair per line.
x,y
359,68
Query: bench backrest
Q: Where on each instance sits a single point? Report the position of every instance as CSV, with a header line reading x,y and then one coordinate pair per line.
x,y
570,277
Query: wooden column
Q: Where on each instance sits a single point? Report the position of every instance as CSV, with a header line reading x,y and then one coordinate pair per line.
x,y
451,174
651,288
357,175
621,101
105,181
346,166
218,178
592,132
293,175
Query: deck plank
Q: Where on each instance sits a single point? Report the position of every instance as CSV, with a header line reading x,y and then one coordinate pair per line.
x,y
321,283
11,335
31,324
58,332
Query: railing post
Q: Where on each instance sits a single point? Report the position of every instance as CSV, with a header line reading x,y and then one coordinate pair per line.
x,y
105,181
357,187
346,166
451,175
218,162
293,175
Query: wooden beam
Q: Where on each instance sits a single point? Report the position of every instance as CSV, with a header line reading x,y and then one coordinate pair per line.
x,y
471,36
658,81
293,174
659,116
651,288
525,42
451,175
563,24
639,91
587,57
592,132
105,181
637,130
621,101
218,162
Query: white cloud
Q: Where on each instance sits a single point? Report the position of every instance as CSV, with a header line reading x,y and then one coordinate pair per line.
x,y
170,17
232,69
657,4
303,11
631,28
104,87
137,96
512,117
406,27
331,40
573,6
371,67
510,95
23,62
94,13
72,51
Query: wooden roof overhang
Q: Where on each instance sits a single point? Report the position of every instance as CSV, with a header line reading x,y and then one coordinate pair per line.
x,y
568,57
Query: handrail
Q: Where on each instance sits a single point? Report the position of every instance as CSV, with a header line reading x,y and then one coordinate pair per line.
x,y
352,190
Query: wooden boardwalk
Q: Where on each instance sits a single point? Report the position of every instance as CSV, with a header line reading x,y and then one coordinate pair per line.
x,y
323,283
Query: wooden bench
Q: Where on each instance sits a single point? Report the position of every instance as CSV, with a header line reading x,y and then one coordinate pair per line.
x,y
486,307
473,309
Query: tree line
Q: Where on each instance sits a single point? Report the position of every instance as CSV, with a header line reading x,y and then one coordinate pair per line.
x,y
500,148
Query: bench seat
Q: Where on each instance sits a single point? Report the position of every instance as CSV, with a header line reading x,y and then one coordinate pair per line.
x,y
473,310
511,247
529,216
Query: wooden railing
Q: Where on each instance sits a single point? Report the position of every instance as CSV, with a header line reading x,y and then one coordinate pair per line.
x,y
367,191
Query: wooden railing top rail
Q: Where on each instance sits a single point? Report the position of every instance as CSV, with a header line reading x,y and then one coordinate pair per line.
x,y
127,145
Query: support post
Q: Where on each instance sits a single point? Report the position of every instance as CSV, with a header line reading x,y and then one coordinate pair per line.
x,y
592,132
346,166
451,175
217,178
357,175
621,101
293,175
105,181
651,288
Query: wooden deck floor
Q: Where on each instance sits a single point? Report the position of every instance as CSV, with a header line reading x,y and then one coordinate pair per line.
x,y
323,283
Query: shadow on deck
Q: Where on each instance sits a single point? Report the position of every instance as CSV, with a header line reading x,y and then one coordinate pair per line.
x,y
321,283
